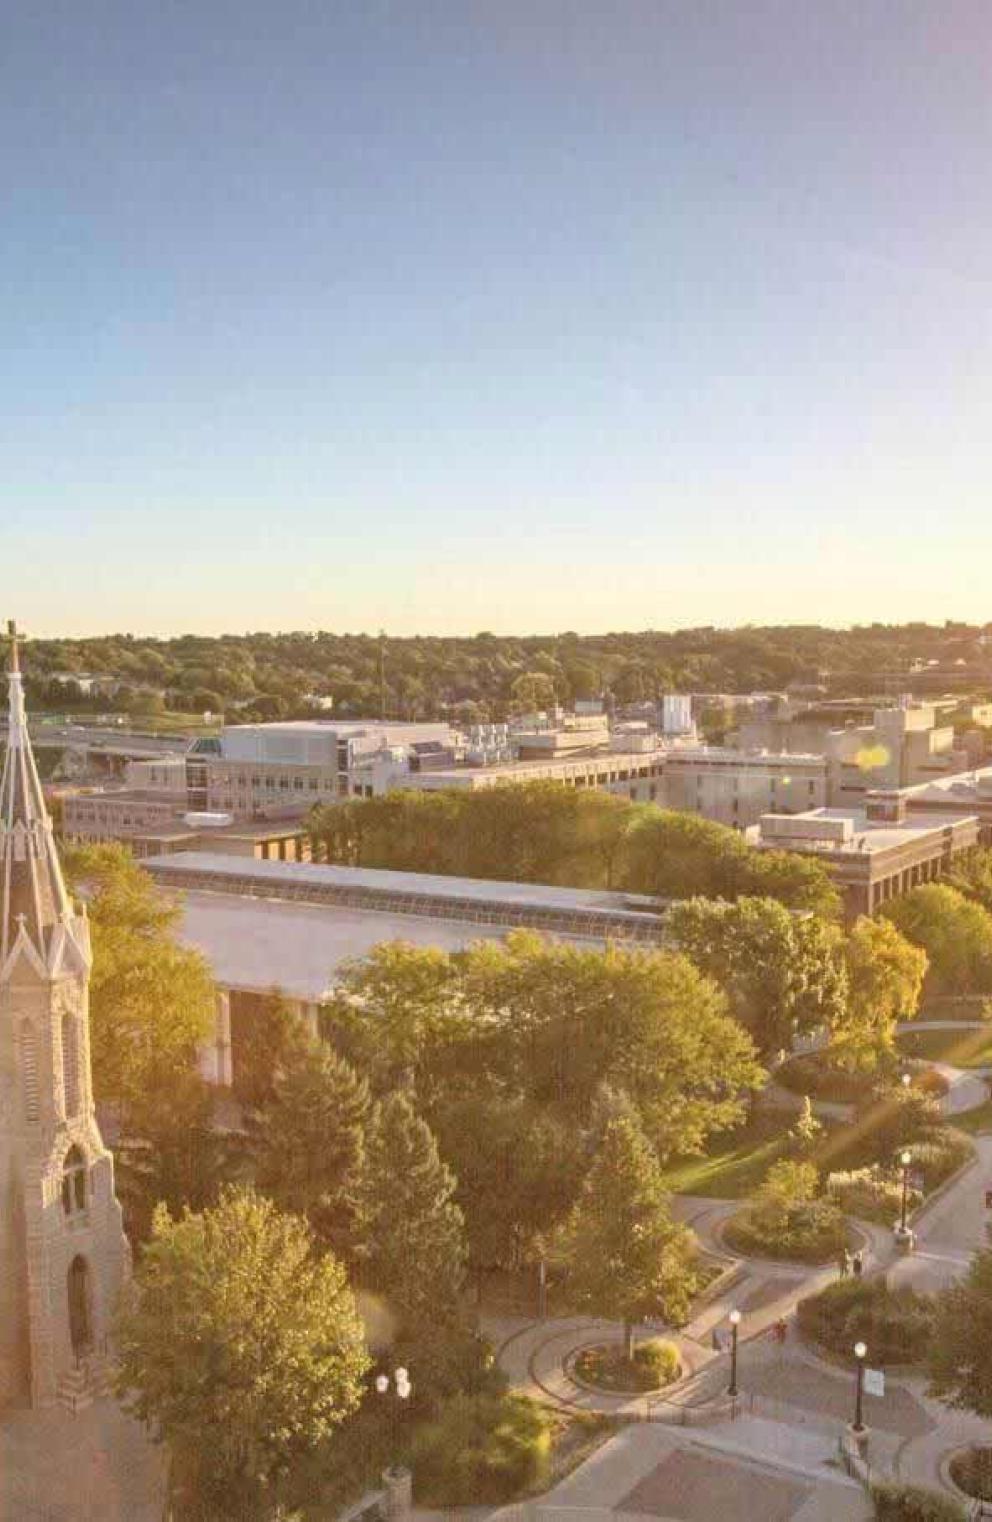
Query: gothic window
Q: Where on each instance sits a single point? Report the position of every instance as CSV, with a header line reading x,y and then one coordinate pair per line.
x,y
74,1182
29,1071
70,1063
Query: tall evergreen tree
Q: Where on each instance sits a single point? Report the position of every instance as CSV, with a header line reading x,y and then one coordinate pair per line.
x,y
414,1232
309,1143
628,1259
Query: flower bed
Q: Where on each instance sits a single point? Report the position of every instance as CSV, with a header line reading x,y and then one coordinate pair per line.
x,y
873,1193
971,1471
655,1364
810,1233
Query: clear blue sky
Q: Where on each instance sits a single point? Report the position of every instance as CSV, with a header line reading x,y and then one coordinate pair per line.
x,y
441,315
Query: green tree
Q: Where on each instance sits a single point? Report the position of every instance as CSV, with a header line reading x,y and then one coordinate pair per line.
x,y
269,1034
955,933
971,874
172,1153
959,1367
239,1346
628,1260
392,1013
518,1169
531,692
151,1000
558,1021
414,1231
676,855
783,976
885,975
308,1143
807,1127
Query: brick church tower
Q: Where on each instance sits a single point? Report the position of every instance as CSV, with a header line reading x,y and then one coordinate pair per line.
x,y
63,1253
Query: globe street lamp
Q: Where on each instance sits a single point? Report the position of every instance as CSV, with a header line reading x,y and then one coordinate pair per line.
x,y
735,1321
403,1388
906,1158
860,1353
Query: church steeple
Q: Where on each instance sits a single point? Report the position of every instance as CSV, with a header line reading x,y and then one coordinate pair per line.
x,y
35,913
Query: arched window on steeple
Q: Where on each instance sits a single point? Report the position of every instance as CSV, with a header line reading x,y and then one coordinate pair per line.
x,y
70,1064
29,1070
74,1182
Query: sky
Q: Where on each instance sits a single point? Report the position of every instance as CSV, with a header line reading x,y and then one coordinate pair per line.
x,y
523,315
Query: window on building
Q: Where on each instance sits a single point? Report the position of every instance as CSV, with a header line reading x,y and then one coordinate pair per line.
x,y
74,1182
70,1064
29,1071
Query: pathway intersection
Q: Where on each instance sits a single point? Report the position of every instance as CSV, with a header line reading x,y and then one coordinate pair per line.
x,y
793,1406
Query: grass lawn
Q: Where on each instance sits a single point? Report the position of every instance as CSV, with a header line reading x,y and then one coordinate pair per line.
x,y
737,1161
964,1049
975,1121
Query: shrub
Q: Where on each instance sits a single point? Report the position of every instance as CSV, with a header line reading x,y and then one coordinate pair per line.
x,y
787,1220
913,1503
971,1471
872,1193
895,1323
942,1153
482,1448
654,1364
816,1075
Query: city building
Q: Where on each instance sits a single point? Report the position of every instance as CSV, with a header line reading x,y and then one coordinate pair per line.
x,y
634,774
264,926
865,746
736,787
63,1254
959,796
263,770
873,854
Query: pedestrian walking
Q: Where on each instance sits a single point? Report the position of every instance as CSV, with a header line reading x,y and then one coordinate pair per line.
x,y
857,1265
844,1263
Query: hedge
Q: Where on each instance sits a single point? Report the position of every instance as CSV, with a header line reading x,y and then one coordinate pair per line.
x,y
895,1323
482,1448
913,1503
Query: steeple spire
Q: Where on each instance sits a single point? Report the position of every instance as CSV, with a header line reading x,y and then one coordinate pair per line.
x,y
33,899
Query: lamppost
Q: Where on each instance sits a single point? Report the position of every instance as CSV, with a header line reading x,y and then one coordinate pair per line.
x,y
905,1158
403,1388
735,1321
860,1354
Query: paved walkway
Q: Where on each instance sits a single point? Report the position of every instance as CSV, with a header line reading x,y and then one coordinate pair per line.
x,y
793,1405
60,1468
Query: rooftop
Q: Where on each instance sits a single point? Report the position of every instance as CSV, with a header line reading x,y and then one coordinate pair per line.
x,y
260,945
867,836
289,878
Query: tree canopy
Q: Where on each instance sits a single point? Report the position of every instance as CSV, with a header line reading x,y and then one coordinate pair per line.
x,y
959,1365
955,933
272,675
151,1000
627,1258
542,832
239,1345
783,975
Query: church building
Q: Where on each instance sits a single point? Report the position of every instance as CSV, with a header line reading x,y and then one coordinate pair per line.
x,y
63,1253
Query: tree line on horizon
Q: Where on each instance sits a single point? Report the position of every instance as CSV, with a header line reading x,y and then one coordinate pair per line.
x,y
483,677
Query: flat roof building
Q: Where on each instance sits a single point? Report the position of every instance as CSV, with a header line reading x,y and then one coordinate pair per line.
x,y
266,926
872,854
